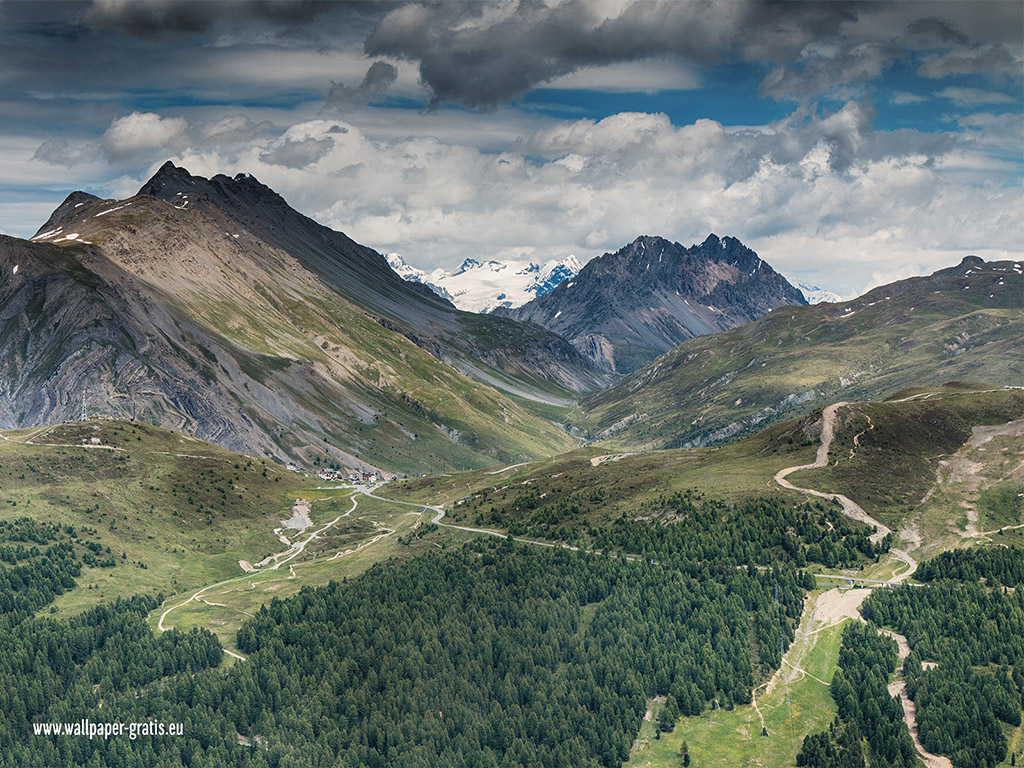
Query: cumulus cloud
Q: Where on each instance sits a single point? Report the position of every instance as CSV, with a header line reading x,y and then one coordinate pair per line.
x,y
66,152
815,192
297,153
142,132
131,136
233,129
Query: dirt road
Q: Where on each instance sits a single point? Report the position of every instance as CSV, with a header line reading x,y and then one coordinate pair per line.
x,y
837,606
285,557
850,508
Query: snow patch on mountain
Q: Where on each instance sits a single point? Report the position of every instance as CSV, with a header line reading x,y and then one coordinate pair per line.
x,y
817,295
483,286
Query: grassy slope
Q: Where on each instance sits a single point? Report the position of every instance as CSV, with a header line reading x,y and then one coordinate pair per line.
x,y
921,331
729,738
137,500
407,391
900,446
739,470
376,532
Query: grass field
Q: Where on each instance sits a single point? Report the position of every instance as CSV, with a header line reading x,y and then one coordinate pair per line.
x,y
725,738
617,483
375,531
886,455
174,512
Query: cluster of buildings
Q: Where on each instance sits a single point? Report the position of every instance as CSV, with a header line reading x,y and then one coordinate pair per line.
x,y
339,476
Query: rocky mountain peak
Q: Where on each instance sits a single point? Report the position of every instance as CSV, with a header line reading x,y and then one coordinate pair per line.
x,y
65,209
171,182
625,308
168,181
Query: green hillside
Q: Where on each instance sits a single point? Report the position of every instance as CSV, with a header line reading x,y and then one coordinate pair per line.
x,y
961,323
165,511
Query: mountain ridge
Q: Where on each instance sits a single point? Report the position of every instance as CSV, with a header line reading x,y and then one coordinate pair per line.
x,y
211,317
964,322
625,308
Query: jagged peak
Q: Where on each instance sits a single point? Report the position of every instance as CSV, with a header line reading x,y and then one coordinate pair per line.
x,y
71,202
171,182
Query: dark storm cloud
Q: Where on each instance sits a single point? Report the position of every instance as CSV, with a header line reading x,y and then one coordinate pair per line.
x,y
485,53
933,30
379,77
159,18
979,60
480,54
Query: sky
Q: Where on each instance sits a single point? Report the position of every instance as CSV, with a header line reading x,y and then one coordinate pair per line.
x,y
850,144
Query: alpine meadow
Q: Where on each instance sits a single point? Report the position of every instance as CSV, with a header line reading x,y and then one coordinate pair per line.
x,y
512,384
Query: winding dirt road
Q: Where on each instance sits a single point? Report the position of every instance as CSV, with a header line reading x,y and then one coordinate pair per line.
x,y
286,556
850,600
850,508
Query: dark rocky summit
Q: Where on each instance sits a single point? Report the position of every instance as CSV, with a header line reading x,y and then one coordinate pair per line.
x,y
625,308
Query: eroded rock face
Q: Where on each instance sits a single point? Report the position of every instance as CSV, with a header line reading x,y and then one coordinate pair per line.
x,y
625,308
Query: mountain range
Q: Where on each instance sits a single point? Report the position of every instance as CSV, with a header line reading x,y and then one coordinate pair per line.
x,y
477,286
212,307
961,323
624,309
483,286
221,311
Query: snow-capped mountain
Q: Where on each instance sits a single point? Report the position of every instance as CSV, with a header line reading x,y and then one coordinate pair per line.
x,y
817,295
482,286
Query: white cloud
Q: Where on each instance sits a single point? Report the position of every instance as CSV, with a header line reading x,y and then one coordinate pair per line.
x,y
645,76
812,192
899,98
142,132
970,97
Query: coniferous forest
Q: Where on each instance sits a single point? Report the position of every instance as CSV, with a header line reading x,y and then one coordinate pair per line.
x,y
494,654
505,654
964,673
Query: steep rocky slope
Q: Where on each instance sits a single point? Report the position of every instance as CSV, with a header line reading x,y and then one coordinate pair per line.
x,y
625,308
228,315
